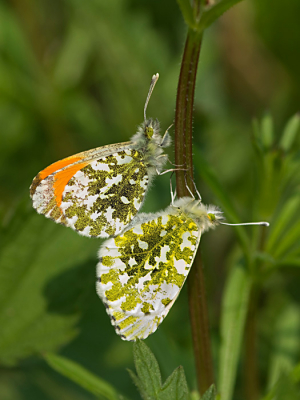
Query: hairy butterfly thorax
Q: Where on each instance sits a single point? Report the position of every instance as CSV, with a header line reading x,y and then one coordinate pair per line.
x,y
151,144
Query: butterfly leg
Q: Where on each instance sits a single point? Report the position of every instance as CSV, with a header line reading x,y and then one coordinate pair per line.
x,y
166,139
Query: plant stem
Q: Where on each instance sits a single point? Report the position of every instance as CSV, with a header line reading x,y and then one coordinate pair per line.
x,y
184,110
200,326
184,156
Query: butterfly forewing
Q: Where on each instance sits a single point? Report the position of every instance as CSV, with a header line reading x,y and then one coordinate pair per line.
x,y
97,195
142,271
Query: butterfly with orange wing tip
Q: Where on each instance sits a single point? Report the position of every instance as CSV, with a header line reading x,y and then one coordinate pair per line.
x,y
99,191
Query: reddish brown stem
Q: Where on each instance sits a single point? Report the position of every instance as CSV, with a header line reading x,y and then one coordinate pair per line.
x,y
184,156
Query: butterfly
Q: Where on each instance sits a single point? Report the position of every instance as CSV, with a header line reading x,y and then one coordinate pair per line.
x,y
99,191
141,272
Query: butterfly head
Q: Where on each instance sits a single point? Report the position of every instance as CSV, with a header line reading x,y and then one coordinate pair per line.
x,y
205,216
151,128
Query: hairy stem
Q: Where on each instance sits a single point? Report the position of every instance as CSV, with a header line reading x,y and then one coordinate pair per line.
x,y
184,156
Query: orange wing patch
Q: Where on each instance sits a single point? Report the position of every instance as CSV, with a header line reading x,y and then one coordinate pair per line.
x,y
52,168
59,165
62,178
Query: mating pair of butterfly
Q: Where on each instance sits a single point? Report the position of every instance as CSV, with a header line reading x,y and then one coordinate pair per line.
x,y
144,264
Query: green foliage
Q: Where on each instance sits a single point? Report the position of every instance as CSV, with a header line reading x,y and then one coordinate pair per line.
x,y
285,342
213,12
33,254
210,394
290,133
208,14
234,310
148,378
187,11
287,386
82,377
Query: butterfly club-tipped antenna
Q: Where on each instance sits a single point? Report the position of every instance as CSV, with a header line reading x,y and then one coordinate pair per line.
x,y
262,223
152,84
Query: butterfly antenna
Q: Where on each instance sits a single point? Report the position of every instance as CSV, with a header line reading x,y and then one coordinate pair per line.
x,y
247,223
152,84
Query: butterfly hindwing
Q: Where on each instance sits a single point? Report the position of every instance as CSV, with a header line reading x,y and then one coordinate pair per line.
x,y
142,271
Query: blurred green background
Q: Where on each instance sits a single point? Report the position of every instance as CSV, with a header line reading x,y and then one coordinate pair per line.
x,y
73,76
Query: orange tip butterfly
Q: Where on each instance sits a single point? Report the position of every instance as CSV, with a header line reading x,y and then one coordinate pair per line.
x,y
98,192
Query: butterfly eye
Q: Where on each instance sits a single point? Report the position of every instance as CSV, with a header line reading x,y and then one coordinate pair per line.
x,y
212,217
149,132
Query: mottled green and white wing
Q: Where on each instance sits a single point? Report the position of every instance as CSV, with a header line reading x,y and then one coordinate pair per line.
x,y
103,197
141,272
97,192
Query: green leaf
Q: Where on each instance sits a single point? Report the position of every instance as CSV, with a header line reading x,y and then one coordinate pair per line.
x,y
289,134
210,394
139,385
295,374
36,256
214,12
287,213
267,131
285,343
234,310
288,241
147,369
187,12
175,387
82,377
284,389
148,380
288,262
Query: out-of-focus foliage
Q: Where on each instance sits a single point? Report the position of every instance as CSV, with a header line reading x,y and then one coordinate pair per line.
x,y
73,76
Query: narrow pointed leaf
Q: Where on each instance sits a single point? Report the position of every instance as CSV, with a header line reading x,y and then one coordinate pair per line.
x,y
139,385
234,310
175,387
210,394
287,214
290,132
285,343
187,12
289,240
147,369
212,14
82,377
267,131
